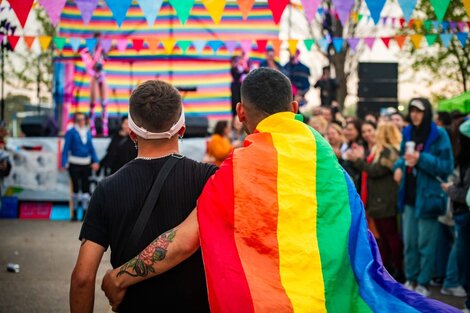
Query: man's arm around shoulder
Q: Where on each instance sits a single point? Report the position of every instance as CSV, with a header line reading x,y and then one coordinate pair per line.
x,y
82,284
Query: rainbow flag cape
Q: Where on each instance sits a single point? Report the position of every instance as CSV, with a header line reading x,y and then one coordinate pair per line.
x,y
282,229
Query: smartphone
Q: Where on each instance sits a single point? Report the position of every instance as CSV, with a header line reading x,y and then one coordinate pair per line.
x,y
440,179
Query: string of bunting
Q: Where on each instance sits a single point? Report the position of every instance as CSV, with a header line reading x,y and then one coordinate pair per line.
x,y
215,8
167,46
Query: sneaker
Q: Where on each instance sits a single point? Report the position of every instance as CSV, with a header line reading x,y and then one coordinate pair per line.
x,y
409,285
424,291
454,291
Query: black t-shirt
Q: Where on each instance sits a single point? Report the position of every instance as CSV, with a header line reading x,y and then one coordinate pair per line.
x,y
113,210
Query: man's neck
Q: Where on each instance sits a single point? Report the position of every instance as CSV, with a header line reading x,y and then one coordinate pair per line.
x,y
157,148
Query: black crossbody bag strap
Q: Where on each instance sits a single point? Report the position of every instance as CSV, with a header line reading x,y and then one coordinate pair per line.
x,y
149,204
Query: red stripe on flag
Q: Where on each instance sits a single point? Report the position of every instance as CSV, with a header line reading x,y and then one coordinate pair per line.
x,y
226,282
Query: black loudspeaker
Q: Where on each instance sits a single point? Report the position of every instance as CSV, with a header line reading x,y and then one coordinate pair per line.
x,y
377,88
374,107
378,71
196,126
39,126
371,89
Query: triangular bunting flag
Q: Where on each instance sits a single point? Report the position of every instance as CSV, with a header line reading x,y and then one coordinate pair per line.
x,y
445,25
343,9
462,37
261,44
400,40
90,44
386,41
1,38
13,40
59,43
277,7
21,9
375,8
75,43
309,43
369,41
292,46
215,45
353,42
215,9
440,8
44,42
53,8
231,45
29,40
431,39
436,24
445,39
184,45
338,44
466,4
199,45
310,8
245,7
324,43
462,26
86,7
138,44
418,23
119,9
152,43
427,25
359,17
276,43
407,6
453,26
168,45
122,44
402,22
150,8
246,46
182,8
416,40
393,19
106,44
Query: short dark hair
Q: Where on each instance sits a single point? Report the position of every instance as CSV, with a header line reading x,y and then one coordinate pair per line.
x,y
267,91
219,128
155,105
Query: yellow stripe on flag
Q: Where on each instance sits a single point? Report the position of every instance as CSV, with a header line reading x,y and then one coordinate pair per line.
x,y
301,273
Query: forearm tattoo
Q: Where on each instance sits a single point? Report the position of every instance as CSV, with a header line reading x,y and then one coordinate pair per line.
x,y
143,263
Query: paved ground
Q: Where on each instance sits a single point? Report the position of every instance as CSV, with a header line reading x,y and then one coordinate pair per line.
x,y
46,252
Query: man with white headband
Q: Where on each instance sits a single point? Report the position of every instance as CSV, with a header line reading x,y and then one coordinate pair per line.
x,y
156,120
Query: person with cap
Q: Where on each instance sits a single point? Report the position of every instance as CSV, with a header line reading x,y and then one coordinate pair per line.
x,y
425,160
156,120
298,74
328,87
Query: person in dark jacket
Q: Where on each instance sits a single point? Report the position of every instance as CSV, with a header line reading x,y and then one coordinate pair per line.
x,y
121,149
428,161
381,193
238,69
457,193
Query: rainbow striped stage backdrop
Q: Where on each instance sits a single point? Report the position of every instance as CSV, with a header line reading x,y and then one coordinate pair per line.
x,y
209,71
283,229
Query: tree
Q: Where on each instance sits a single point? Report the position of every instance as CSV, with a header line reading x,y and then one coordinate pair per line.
x,y
345,61
442,62
27,68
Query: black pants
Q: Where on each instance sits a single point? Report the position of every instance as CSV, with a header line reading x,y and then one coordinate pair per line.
x,y
80,175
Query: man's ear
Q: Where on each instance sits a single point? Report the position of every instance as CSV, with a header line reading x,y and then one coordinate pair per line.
x,y
182,131
132,135
294,107
241,113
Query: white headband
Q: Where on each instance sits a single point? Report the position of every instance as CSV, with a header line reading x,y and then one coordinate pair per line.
x,y
143,133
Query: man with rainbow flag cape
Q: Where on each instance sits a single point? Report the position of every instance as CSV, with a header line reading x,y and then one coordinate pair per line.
x,y
281,226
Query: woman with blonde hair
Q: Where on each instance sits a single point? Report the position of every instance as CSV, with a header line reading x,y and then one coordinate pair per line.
x,y
334,135
381,193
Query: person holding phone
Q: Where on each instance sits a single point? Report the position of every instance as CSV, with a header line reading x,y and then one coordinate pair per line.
x,y
421,199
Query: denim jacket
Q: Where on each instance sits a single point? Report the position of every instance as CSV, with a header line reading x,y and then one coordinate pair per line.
x,y
435,161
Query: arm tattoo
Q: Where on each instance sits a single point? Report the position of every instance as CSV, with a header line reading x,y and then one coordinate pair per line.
x,y
143,263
